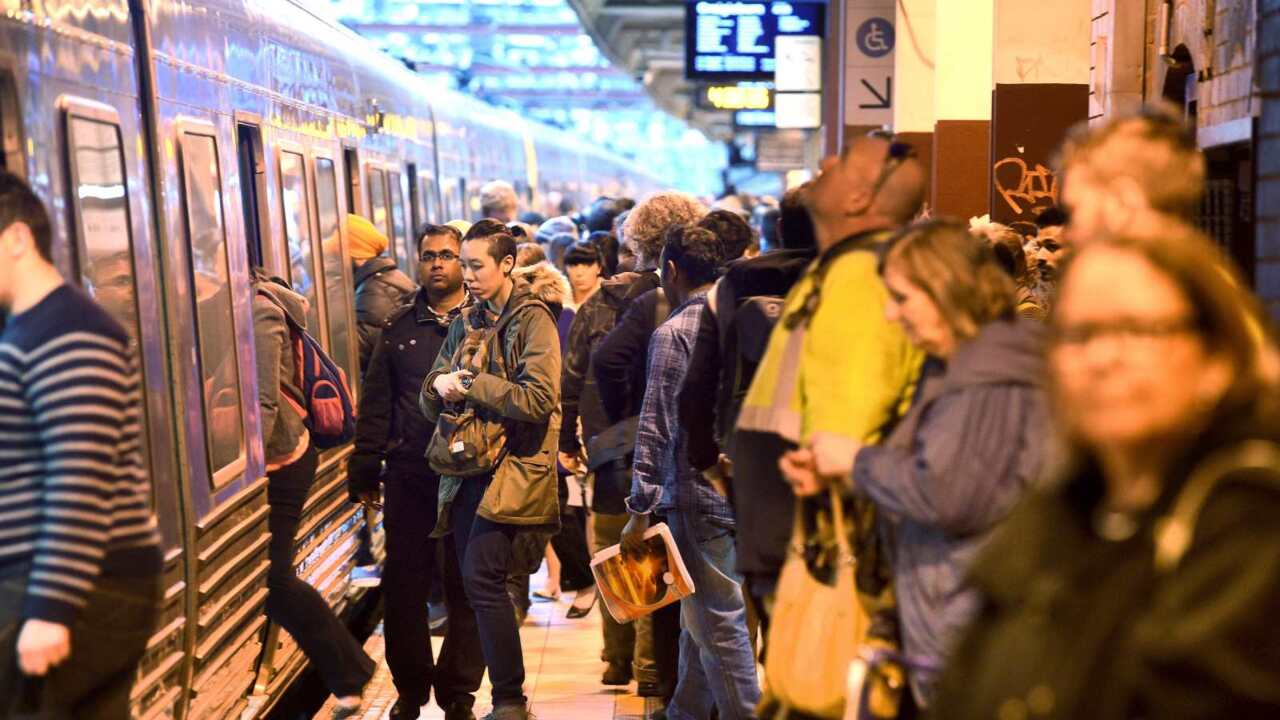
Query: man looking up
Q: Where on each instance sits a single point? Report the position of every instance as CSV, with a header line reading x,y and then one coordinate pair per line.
x,y
498,201
718,667
520,386
835,371
390,427
80,562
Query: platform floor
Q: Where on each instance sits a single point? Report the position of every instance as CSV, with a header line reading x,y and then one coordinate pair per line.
x,y
562,666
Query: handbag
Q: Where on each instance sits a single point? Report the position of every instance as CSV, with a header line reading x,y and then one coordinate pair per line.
x,y
816,628
609,458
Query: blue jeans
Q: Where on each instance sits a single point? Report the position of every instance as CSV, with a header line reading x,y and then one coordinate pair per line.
x,y
717,666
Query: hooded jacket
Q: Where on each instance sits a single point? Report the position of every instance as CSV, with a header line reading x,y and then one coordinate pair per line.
x,y
380,289
523,489
973,441
284,436
548,285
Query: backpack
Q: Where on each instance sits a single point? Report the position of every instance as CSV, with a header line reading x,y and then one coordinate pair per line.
x,y
327,410
470,441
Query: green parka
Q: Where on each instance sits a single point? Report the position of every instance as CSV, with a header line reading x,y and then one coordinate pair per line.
x,y
523,489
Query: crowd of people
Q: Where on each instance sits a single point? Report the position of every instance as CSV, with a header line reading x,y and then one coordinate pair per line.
x,y
918,466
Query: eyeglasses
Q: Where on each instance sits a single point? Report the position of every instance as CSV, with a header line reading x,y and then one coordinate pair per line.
x,y
1129,332
430,258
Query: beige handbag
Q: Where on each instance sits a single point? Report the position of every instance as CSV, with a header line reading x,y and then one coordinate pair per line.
x,y
816,628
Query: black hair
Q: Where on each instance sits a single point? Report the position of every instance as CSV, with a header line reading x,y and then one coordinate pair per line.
x,y
795,227
607,244
19,203
502,244
1052,216
431,230
530,217
603,211
696,251
583,253
734,232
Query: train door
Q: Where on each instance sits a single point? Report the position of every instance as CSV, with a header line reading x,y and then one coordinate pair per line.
x,y
114,259
399,239
252,166
376,180
351,179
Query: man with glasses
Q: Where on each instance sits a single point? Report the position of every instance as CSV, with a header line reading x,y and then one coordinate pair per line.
x,y
835,371
390,429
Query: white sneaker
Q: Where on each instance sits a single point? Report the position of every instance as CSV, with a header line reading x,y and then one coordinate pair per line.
x,y
366,576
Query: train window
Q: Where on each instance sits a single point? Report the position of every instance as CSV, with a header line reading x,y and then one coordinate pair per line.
x,y
102,219
335,279
400,239
430,203
13,157
215,322
297,233
351,169
378,200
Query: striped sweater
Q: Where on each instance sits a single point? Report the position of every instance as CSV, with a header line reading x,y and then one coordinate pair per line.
x,y
74,499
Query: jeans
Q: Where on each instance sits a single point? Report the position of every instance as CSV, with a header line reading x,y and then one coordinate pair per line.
x,y
484,552
108,639
717,666
295,605
409,514
631,643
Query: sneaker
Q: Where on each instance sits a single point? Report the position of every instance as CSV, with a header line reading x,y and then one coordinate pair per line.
x,y
438,618
510,712
366,576
459,711
617,674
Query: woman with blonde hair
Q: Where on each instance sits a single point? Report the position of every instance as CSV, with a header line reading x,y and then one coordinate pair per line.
x,y
970,445
1144,582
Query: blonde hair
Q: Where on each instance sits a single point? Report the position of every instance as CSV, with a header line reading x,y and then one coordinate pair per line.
x,y
957,271
647,223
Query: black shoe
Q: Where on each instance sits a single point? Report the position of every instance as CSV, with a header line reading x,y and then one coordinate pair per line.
x,y
341,712
404,711
510,712
649,689
617,674
459,710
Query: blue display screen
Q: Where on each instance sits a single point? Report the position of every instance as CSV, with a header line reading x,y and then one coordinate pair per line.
x,y
734,40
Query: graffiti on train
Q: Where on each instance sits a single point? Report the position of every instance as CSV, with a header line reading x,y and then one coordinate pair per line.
x,y
1026,190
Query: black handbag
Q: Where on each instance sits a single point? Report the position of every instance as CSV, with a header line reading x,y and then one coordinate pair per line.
x,y
609,458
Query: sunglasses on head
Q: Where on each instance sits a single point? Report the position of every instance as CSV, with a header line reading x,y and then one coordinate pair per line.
x,y
899,152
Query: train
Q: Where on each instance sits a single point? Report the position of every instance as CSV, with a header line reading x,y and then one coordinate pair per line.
x,y
179,144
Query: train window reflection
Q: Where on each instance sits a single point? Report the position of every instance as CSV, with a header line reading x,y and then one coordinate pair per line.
x,y
378,200
102,208
215,323
335,282
398,226
430,202
297,232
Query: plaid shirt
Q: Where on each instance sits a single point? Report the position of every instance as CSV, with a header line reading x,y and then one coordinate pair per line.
x,y
662,477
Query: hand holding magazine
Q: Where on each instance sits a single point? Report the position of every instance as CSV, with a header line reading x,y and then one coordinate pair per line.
x,y
633,586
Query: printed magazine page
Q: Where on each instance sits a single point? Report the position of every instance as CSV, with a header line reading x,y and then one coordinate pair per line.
x,y
632,586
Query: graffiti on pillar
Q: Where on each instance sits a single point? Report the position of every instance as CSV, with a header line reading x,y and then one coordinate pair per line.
x,y
1026,190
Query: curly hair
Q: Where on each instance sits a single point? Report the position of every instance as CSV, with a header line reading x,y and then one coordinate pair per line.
x,y
647,223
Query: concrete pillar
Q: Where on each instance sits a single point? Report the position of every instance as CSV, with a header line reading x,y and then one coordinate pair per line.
x,y
915,60
1040,68
962,105
1118,38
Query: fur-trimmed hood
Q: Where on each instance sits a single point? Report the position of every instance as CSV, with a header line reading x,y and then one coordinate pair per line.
x,y
547,284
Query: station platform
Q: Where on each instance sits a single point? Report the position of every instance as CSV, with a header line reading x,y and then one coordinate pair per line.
x,y
562,668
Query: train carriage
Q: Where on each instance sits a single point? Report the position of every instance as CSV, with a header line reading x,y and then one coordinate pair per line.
x,y
179,144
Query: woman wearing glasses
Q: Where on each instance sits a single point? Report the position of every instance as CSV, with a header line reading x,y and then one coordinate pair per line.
x,y
970,445
1145,582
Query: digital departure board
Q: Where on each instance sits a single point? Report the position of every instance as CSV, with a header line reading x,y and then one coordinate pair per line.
x,y
735,39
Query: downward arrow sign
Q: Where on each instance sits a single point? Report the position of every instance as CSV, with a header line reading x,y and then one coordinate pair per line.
x,y
886,100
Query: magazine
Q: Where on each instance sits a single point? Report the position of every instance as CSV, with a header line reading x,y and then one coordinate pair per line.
x,y
634,586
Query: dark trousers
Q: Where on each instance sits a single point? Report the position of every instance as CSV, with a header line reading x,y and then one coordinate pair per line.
x,y
107,641
570,544
295,605
409,516
484,552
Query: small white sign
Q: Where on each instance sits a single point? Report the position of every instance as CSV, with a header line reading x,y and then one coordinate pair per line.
x,y
797,110
799,63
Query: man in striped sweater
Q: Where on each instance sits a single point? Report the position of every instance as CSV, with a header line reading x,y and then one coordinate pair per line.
x,y
79,549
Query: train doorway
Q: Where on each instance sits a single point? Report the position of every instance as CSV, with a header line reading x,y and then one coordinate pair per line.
x,y
351,173
253,169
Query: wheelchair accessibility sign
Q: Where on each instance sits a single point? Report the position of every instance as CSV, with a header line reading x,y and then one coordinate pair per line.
x,y
875,37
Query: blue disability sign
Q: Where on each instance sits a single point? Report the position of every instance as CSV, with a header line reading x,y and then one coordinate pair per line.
x,y
875,37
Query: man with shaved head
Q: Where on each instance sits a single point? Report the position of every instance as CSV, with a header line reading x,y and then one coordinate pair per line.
x,y
836,372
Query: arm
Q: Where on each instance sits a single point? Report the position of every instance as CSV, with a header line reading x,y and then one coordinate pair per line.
x,y
616,354
857,366
698,396
428,401
373,423
656,433
83,394
270,338
534,395
972,457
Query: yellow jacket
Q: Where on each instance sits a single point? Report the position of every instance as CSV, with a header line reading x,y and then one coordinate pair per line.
x,y
849,371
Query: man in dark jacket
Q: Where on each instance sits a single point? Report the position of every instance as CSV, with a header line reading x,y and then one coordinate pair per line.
x,y
380,286
391,428
518,383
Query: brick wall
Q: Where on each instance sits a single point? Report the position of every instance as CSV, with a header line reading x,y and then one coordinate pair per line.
x,y
1268,156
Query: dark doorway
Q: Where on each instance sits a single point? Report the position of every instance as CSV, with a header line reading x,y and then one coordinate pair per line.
x,y
351,171
253,168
